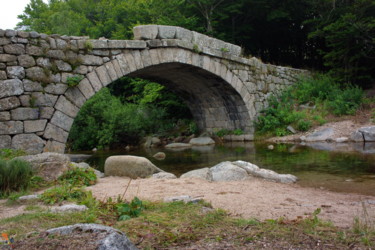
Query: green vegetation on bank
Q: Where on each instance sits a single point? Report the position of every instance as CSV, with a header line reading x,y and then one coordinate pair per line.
x,y
15,175
308,103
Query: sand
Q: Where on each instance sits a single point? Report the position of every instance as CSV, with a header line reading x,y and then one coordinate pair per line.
x,y
254,198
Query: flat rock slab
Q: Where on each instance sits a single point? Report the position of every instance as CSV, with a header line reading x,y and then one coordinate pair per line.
x,y
321,135
202,141
368,133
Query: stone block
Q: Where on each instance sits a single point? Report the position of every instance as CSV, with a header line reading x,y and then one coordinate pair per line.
x,y
34,126
9,103
37,74
145,32
95,81
99,44
10,33
34,50
11,127
62,120
44,100
56,89
3,75
11,88
46,112
55,133
117,44
5,141
20,114
136,44
7,58
91,60
111,71
61,44
56,54
166,32
15,49
103,75
4,41
54,146
30,143
16,72
184,34
63,66
123,64
75,96
31,86
26,61
137,59
66,107
117,67
4,116
86,88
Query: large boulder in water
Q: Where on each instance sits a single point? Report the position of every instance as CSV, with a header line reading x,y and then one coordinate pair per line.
x,y
130,166
201,141
320,135
368,133
49,166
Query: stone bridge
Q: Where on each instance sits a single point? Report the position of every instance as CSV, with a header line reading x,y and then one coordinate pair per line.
x,y
37,107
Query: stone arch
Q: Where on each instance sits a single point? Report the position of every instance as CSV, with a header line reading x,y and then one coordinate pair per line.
x,y
215,95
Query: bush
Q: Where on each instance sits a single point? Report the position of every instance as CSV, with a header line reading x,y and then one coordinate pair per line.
x,y
7,153
319,91
78,177
73,81
15,175
62,193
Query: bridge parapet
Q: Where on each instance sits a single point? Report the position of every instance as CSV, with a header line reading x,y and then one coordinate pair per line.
x,y
37,107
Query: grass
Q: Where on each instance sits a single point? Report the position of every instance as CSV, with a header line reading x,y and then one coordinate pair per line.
x,y
163,225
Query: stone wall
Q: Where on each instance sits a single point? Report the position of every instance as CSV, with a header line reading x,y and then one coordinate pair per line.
x,y
37,108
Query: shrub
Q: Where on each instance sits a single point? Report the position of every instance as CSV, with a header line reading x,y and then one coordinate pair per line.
x,y
304,125
130,210
73,81
62,193
78,177
15,175
7,153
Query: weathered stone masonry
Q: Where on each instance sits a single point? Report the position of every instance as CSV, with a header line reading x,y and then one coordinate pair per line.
x,y
37,108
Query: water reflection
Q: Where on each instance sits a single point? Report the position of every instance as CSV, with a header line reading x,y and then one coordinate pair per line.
x,y
317,165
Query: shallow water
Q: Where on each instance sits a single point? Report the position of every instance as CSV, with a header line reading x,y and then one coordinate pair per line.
x,y
342,172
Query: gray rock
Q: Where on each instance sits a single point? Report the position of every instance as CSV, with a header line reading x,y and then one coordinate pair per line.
x,y
166,32
5,141
21,114
35,126
201,141
357,136
130,166
321,135
159,156
30,143
4,116
227,171
11,88
11,127
16,72
145,32
26,61
368,133
183,198
203,173
114,239
255,171
68,208
291,129
341,139
9,103
49,166
178,145
164,175
16,49
28,197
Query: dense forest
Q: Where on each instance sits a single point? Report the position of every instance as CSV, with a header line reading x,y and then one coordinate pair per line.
x,y
332,36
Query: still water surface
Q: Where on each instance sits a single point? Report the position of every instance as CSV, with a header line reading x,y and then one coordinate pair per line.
x,y
349,172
